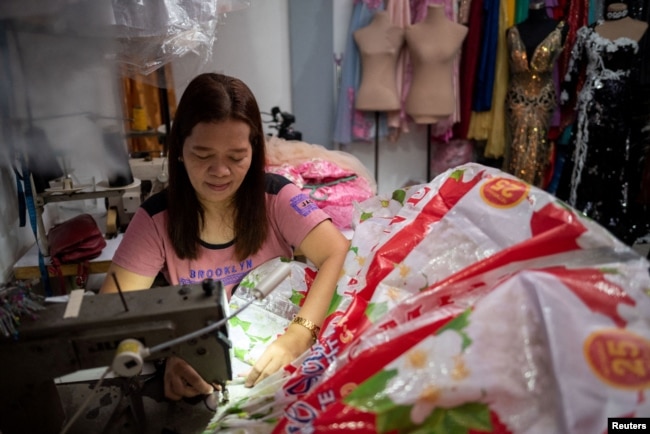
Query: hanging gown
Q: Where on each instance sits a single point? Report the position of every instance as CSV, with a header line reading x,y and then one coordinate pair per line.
x,y
530,103
603,177
493,122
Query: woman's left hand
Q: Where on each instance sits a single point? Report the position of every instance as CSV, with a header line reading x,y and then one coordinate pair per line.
x,y
326,248
284,350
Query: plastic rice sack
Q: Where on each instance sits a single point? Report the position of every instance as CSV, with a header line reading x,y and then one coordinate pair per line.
x,y
554,349
461,217
468,216
474,266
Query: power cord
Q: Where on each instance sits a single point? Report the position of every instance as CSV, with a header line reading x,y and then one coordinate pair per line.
x,y
85,404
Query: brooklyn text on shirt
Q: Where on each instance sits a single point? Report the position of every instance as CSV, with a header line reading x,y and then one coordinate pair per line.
x,y
228,274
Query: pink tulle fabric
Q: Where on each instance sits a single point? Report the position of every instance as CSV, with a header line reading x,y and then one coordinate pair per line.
x,y
335,180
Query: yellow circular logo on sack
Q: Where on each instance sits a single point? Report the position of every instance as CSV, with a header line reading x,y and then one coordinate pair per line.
x,y
619,358
504,192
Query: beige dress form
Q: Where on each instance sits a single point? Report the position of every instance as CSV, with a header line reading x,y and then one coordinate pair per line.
x,y
379,44
433,45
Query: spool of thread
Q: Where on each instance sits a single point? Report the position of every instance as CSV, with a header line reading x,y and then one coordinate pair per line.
x,y
111,222
67,183
139,119
128,358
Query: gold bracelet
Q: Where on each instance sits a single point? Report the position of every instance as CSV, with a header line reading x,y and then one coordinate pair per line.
x,y
313,328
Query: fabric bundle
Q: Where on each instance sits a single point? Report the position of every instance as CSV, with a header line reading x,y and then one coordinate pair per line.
x,y
334,180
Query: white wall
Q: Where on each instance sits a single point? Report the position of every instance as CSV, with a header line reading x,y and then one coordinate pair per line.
x,y
253,45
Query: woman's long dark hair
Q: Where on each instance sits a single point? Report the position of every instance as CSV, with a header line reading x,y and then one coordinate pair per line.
x,y
215,98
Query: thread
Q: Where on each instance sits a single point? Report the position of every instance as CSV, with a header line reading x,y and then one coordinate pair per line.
x,y
111,222
128,358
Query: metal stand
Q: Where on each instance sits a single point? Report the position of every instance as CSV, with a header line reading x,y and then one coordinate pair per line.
x,y
428,152
377,147
164,106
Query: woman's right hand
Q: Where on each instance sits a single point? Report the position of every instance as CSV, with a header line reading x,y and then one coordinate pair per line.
x,y
182,381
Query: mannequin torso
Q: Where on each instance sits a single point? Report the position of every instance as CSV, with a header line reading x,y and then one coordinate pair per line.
x,y
433,45
618,25
379,45
534,29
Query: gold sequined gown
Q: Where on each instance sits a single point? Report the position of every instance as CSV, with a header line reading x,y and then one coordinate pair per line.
x,y
530,103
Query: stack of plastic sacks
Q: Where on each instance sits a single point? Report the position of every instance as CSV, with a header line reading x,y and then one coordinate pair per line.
x,y
475,303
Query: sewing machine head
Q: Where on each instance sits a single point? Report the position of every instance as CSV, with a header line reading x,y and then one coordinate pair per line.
x,y
59,342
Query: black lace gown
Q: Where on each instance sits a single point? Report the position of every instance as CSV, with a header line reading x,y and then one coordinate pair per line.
x,y
603,175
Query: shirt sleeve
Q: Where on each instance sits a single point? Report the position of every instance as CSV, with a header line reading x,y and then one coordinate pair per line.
x,y
142,250
294,214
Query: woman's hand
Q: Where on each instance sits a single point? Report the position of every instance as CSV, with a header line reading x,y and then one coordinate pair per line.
x,y
284,350
326,248
182,381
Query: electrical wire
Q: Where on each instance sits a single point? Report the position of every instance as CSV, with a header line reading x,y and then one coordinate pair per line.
x,y
84,405
259,293
179,340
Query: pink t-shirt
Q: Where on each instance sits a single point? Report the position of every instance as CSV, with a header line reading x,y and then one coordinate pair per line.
x,y
147,250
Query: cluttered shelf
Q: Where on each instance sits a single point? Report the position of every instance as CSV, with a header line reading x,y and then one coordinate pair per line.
x,y
27,266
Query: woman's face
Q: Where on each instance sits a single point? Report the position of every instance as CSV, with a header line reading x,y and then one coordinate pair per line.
x,y
217,157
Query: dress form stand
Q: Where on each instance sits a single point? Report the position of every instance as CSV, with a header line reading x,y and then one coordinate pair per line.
x,y
433,44
379,44
377,146
428,152
536,27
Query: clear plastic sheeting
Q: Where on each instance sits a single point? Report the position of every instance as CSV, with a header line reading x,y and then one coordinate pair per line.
x,y
151,33
147,33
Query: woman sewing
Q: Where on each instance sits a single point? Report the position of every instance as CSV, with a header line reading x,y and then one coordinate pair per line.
x,y
222,211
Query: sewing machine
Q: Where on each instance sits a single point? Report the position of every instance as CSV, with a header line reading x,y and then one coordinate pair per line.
x,y
66,338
